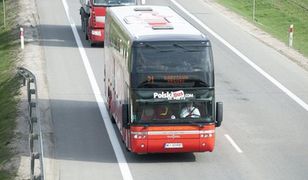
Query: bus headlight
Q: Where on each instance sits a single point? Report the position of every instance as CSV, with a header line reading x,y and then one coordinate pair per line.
x,y
139,135
100,19
96,32
207,134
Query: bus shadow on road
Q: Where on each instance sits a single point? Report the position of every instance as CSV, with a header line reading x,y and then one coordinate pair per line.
x,y
160,158
81,135
79,131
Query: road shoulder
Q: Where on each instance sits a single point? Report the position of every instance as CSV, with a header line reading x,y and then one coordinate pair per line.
x,y
32,58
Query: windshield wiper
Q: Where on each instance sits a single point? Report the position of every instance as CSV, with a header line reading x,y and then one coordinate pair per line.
x,y
150,46
150,84
196,124
186,49
166,50
114,2
179,46
198,83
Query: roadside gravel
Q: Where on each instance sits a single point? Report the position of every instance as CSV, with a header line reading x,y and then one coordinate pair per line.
x,y
32,58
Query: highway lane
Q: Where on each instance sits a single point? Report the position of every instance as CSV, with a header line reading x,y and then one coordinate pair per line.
x,y
267,125
83,149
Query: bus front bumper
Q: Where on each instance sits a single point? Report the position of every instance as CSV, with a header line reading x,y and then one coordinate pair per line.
x,y
96,35
172,145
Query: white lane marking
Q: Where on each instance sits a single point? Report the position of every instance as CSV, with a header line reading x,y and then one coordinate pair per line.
x,y
238,149
126,174
245,58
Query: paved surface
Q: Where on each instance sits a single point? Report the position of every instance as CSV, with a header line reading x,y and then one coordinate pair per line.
x,y
268,126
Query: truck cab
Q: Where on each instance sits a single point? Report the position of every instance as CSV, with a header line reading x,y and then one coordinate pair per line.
x,y
92,14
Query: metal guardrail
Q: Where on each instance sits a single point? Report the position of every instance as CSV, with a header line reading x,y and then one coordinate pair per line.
x,y
35,133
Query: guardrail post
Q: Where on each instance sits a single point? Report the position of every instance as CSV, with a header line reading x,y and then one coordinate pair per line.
x,y
34,120
31,106
34,156
32,137
28,89
39,177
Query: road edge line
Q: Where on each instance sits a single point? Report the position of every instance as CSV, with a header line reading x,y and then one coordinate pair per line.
x,y
125,171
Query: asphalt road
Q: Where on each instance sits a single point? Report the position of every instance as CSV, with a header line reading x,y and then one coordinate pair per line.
x,y
267,125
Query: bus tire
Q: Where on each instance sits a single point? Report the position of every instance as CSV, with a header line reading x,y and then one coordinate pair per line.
x,y
83,25
109,107
112,119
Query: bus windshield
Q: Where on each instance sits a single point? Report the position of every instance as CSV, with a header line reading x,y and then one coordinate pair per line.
x,y
189,61
173,106
113,2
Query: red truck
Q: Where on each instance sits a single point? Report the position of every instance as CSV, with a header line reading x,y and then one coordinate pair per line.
x,y
93,12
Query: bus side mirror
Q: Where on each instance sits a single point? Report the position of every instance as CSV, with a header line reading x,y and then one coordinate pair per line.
x,y
88,5
125,115
219,113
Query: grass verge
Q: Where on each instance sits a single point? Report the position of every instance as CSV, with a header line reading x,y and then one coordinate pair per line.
x,y
9,87
275,17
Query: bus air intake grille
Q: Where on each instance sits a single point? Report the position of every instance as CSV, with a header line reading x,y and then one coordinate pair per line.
x,y
143,9
162,27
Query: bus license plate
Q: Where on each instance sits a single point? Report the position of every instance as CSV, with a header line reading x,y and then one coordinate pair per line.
x,y
173,145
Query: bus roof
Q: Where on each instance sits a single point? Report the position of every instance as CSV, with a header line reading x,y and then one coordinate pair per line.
x,y
155,23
